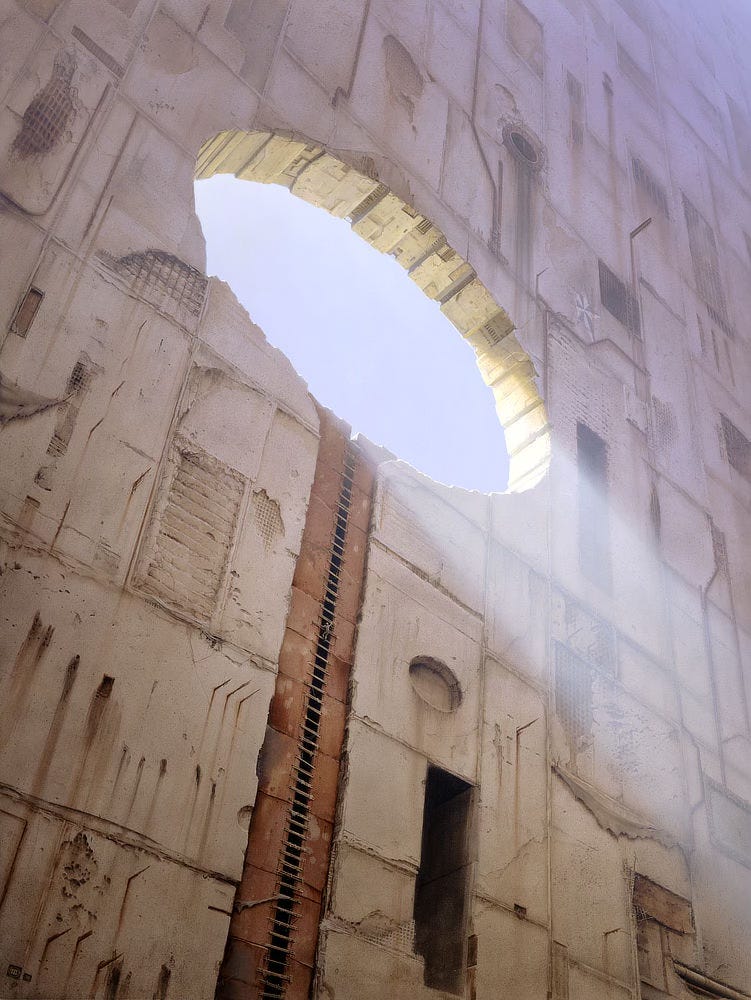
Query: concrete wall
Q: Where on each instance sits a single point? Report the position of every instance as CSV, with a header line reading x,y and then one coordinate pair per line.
x,y
158,457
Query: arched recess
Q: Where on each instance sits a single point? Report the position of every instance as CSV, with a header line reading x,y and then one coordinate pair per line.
x,y
394,227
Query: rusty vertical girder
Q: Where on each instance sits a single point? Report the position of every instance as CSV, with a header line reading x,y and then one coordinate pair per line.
x,y
273,932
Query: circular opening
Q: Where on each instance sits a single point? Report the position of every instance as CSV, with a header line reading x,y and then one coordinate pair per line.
x,y
524,145
435,683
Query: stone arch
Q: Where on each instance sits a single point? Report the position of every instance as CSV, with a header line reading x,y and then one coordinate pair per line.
x,y
392,226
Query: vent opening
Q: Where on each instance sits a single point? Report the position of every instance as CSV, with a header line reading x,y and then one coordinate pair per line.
x,y
435,683
524,147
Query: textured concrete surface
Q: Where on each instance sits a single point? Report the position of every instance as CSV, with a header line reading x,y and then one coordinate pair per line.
x,y
592,628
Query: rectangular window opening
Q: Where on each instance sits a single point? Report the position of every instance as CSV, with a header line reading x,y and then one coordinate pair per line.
x,y
619,300
441,908
705,259
646,181
594,533
26,312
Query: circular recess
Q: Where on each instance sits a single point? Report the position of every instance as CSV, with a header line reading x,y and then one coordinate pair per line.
x,y
435,683
525,146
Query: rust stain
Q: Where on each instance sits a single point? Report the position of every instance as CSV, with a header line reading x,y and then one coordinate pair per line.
x,y
134,794
124,757
113,979
207,821
100,707
162,984
56,725
27,660
155,795
250,938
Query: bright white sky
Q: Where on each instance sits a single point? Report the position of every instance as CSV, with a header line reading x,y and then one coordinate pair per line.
x,y
369,344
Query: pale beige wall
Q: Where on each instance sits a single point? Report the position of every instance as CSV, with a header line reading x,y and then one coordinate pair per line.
x,y
424,92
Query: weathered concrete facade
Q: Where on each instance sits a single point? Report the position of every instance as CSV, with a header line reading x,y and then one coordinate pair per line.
x,y
285,716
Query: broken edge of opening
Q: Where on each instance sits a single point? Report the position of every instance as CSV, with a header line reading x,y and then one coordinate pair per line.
x,y
391,226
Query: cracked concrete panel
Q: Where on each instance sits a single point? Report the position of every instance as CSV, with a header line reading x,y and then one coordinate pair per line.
x,y
593,897
393,97
228,330
404,619
349,963
47,114
150,204
434,533
255,611
450,55
169,75
129,734
106,754
392,832
324,37
517,608
141,373
98,889
374,896
476,203
512,805
524,974
209,395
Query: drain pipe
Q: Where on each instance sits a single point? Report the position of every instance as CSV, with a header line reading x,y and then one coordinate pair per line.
x,y
712,986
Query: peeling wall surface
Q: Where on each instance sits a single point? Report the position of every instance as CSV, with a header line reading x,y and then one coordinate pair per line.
x,y
279,716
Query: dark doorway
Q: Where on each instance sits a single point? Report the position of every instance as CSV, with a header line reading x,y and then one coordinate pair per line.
x,y
442,888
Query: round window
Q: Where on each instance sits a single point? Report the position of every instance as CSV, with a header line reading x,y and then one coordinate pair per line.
x,y
435,683
524,145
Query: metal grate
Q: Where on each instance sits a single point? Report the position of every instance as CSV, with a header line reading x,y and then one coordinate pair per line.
x,y
281,934
400,937
737,447
619,300
645,179
706,263
158,273
49,112
79,380
268,519
573,696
